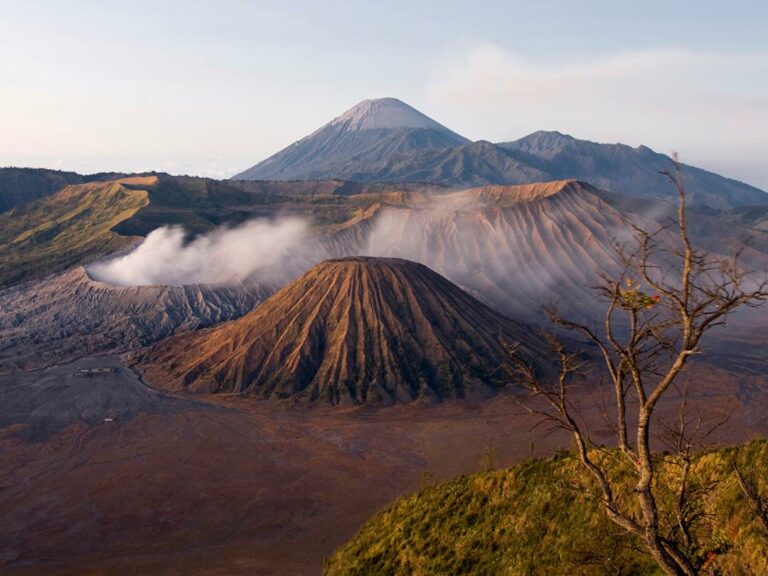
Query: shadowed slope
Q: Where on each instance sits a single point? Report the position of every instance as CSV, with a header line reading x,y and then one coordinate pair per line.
x,y
474,164
19,186
352,330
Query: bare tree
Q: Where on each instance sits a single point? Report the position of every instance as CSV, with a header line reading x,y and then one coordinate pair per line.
x,y
687,438
757,503
665,298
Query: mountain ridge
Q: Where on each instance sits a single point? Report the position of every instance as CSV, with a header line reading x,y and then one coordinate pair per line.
x,y
386,140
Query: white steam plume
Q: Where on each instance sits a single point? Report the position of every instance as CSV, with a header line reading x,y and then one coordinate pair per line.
x,y
222,256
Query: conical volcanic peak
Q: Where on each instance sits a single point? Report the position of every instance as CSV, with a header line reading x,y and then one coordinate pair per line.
x,y
369,134
350,331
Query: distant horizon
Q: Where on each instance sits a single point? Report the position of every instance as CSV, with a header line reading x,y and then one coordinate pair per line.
x,y
227,177
210,90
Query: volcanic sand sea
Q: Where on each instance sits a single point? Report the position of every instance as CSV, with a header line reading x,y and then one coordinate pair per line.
x,y
214,485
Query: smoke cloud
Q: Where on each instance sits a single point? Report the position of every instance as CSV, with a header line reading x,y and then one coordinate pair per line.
x,y
222,256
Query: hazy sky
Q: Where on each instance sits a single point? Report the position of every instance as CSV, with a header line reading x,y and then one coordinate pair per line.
x,y
213,87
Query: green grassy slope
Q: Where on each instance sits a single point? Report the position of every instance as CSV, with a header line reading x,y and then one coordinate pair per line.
x,y
69,227
86,220
200,204
538,518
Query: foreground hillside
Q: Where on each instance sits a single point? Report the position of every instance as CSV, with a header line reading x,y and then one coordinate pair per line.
x,y
211,486
537,518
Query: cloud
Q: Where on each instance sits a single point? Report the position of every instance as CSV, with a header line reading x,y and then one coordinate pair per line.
x,y
223,256
711,107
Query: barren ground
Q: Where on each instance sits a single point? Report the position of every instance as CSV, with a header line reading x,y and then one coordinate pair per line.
x,y
214,485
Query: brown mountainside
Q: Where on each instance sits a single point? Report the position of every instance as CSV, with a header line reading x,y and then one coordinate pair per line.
x,y
351,330
516,248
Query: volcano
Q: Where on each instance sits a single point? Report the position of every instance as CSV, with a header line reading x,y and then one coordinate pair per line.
x,y
356,330
71,315
367,135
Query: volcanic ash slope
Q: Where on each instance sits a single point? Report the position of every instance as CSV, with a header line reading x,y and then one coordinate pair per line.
x,y
71,315
353,330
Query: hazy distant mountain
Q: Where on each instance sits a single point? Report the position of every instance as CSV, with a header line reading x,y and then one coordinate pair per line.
x,y
475,164
388,141
633,171
363,137
514,247
544,156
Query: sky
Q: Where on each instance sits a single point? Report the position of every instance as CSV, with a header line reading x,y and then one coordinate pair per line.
x,y
212,87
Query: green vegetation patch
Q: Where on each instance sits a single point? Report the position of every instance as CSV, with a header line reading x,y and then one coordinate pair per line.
x,y
541,517
84,221
64,229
